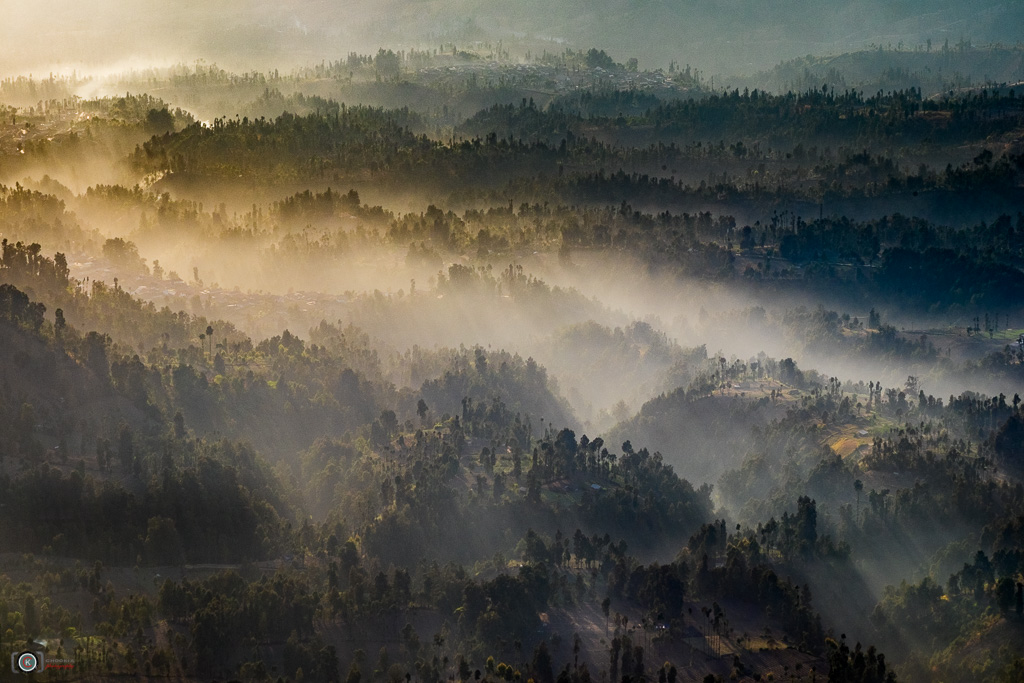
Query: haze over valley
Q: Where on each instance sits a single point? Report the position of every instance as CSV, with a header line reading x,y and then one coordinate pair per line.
x,y
593,342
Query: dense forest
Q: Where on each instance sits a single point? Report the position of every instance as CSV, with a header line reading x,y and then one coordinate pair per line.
x,y
519,358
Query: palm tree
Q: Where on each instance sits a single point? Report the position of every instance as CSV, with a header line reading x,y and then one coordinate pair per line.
x,y
209,335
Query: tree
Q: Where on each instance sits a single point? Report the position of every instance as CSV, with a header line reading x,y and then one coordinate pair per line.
x,y
353,674
384,427
542,672
31,617
1008,442
159,121
95,352
125,449
806,525
326,668
163,545
410,639
123,254
599,59
790,373
25,430
1005,594
874,319
60,266
59,324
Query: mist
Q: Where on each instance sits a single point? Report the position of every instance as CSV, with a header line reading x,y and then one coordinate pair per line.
x,y
721,37
435,340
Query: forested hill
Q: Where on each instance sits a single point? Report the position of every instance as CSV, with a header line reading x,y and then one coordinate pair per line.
x,y
407,486
935,68
518,346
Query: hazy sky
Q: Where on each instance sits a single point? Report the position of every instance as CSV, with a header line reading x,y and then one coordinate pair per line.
x,y
717,36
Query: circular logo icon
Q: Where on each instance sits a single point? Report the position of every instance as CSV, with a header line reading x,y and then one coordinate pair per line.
x,y
27,662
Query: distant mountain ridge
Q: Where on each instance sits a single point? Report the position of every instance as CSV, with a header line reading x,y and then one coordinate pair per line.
x,y
934,71
716,36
